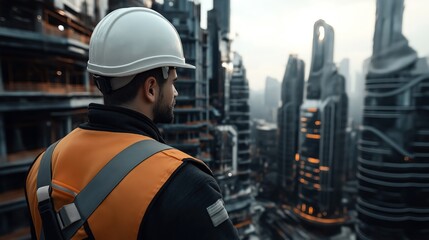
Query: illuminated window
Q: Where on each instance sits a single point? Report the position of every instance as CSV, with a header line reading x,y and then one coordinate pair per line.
x,y
312,136
313,160
324,168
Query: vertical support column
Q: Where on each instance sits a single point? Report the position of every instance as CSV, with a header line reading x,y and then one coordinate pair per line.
x,y
1,77
68,124
3,150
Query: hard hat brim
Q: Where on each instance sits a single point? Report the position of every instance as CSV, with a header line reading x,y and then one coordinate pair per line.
x,y
140,66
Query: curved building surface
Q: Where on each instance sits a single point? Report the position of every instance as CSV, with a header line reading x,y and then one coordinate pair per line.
x,y
393,170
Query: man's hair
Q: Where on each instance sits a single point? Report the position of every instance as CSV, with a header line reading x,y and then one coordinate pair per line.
x,y
129,91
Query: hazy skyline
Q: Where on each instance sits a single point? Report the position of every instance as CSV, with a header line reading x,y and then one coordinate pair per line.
x,y
266,33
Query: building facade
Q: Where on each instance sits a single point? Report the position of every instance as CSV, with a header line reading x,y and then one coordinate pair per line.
x,y
323,119
393,167
272,99
44,90
292,92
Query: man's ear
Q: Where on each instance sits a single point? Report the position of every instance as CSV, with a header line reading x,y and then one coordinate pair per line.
x,y
150,89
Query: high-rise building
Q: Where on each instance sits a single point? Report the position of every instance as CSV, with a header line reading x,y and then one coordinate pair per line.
x,y
44,90
239,117
292,92
190,130
265,157
344,69
272,99
393,179
220,58
323,121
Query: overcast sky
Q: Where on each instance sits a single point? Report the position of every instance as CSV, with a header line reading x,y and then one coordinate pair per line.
x,y
268,31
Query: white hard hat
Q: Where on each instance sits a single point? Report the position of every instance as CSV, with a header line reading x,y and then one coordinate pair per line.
x,y
132,40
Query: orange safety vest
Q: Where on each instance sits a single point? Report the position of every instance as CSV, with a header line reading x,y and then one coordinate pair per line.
x,y
75,163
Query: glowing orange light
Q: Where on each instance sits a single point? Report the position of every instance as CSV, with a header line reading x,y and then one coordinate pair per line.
x,y
324,168
303,130
312,136
317,122
303,119
316,186
310,210
313,160
303,207
312,109
318,219
308,175
303,181
316,170
242,224
296,156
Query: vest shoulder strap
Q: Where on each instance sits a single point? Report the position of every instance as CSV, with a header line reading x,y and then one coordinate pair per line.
x,y
72,216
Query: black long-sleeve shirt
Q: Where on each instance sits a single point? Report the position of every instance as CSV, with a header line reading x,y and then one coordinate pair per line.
x,y
179,211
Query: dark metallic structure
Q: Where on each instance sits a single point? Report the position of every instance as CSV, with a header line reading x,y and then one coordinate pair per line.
x,y
322,135
44,90
393,170
292,92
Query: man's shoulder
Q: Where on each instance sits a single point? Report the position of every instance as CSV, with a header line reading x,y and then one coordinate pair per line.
x,y
191,163
193,174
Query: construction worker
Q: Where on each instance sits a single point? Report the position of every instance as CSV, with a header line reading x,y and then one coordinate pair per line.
x,y
112,177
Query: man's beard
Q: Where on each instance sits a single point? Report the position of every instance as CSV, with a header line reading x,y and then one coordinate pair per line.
x,y
162,113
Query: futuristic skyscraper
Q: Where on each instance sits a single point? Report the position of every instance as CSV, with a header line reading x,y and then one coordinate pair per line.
x,y
322,135
288,124
393,165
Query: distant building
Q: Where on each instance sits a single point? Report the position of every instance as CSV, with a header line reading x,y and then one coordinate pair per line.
x,y
266,159
229,100
321,154
44,90
239,117
393,179
272,99
220,57
292,92
344,70
226,145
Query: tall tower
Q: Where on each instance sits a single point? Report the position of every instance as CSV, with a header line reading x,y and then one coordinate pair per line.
x,y
393,162
220,57
292,91
322,134
238,204
272,99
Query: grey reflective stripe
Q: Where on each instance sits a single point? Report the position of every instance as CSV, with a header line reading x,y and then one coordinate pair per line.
x,y
44,175
109,177
53,185
217,213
